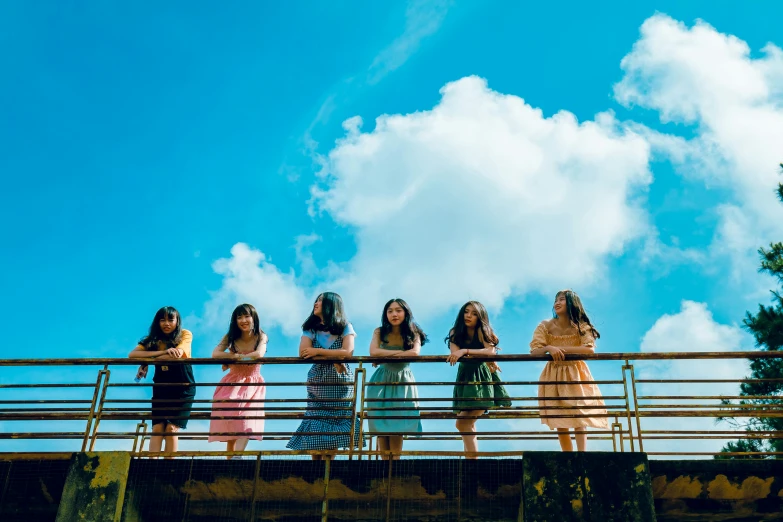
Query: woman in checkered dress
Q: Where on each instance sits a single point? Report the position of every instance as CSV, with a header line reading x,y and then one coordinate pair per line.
x,y
329,418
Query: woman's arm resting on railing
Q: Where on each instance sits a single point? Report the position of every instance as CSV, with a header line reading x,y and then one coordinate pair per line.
x,y
140,353
219,352
375,347
413,350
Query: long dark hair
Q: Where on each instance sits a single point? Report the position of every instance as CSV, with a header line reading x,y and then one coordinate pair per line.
x,y
459,332
156,335
576,312
409,329
234,332
333,315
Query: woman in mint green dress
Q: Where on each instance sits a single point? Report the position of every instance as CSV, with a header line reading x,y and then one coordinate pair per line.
x,y
472,335
398,336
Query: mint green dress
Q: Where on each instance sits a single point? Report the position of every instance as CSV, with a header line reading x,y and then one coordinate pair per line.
x,y
472,396
399,392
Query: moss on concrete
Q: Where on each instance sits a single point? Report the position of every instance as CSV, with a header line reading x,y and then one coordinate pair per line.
x,y
586,486
95,487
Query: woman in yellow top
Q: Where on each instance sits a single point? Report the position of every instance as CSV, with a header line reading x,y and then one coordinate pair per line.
x,y
171,405
569,332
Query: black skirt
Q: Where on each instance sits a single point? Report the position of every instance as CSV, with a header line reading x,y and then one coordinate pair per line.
x,y
173,400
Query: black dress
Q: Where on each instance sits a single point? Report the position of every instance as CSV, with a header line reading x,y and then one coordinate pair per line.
x,y
172,403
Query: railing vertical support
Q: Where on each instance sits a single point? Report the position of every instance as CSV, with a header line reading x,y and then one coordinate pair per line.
x,y
138,439
325,505
94,436
636,409
91,415
354,412
389,489
628,404
255,489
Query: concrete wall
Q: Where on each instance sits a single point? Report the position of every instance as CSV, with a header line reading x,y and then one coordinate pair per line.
x,y
541,486
722,489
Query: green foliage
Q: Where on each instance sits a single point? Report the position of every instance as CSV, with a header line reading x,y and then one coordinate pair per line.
x,y
767,328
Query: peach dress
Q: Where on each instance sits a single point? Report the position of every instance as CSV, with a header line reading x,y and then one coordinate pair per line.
x,y
584,391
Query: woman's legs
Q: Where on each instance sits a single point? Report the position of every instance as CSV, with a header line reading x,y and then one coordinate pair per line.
x,y
230,445
156,441
564,436
170,440
395,446
466,424
383,447
581,439
241,444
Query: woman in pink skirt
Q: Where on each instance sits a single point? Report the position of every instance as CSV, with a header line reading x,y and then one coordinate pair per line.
x,y
238,402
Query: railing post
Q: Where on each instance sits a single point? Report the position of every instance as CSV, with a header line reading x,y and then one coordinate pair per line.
x,y
325,505
141,431
636,409
91,415
389,489
94,436
353,441
255,489
628,403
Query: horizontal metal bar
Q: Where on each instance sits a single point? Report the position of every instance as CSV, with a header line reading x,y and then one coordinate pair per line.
x,y
635,356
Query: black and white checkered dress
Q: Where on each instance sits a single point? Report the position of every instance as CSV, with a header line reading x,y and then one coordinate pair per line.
x,y
329,416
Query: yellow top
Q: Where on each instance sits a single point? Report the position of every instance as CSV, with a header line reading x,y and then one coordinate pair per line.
x,y
184,344
542,337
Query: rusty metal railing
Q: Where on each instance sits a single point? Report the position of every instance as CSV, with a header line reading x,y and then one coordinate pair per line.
x,y
104,413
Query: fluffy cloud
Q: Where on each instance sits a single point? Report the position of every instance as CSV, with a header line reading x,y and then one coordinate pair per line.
x,y
700,77
249,277
692,329
481,197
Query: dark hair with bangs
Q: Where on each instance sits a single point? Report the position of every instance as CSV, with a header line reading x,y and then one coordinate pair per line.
x,y
409,329
333,321
156,335
459,332
234,332
576,312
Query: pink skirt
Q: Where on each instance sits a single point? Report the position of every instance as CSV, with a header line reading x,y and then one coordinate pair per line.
x,y
241,406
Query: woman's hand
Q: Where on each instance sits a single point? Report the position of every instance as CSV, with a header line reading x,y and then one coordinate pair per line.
x,y
224,367
455,355
558,354
341,368
142,373
176,353
309,352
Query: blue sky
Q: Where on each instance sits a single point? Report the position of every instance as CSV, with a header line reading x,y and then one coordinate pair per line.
x,y
140,145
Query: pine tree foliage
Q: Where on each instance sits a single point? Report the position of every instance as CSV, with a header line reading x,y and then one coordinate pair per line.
x,y
766,325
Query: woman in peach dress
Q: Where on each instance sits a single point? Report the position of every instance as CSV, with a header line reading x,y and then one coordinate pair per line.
x,y
569,332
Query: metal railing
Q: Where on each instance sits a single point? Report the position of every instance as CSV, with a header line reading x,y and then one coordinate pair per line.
x,y
640,411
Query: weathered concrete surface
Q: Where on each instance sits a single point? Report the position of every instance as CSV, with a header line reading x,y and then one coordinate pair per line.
x,y
31,490
95,487
426,490
720,490
590,486
557,487
286,490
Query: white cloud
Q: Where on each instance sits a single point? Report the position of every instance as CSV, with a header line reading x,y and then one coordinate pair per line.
x,y
692,329
481,197
700,77
422,19
248,277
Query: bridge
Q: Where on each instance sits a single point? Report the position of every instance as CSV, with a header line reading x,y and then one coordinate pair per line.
x,y
82,434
